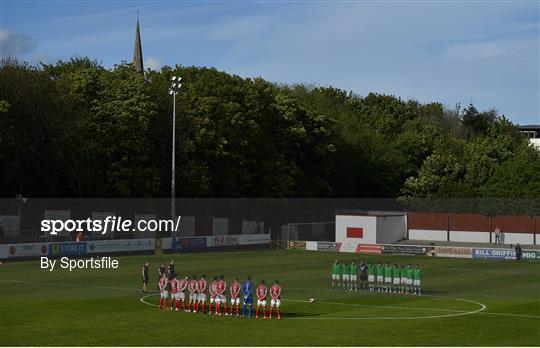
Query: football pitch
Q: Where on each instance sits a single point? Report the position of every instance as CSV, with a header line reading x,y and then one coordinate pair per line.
x,y
466,303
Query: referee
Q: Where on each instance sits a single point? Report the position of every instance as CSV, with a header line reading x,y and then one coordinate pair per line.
x,y
363,276
519,252
145,277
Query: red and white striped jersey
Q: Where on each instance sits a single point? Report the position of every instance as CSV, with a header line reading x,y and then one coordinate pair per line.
x,y
163,284
201,286
221,286
192,286
182,285
235,289
174,285
275,291
213,288
261,292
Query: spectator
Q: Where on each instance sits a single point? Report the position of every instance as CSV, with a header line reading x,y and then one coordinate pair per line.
x,y
519,252
497,235
501,237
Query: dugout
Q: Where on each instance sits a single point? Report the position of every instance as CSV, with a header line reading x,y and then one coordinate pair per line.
x,y
370,227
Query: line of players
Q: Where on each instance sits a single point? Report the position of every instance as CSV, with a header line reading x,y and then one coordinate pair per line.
x,y
381,277
197,289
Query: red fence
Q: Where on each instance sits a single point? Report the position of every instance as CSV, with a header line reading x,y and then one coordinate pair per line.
x,y
473,222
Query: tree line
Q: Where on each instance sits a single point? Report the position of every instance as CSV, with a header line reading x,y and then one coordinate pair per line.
x,y
77,129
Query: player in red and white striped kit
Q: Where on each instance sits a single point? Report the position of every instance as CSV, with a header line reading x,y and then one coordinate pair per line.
x,y
275,294
201,290
221,298
213,290
192,288
175,298
182,286
261,292
162,284
235,295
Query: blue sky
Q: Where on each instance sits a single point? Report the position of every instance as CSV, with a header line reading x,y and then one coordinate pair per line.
x,y
485,52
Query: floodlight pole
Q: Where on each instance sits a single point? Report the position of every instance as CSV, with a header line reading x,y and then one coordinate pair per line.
x,y
175,88
173,176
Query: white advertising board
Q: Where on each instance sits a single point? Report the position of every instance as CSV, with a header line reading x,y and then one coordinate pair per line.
x,y
120,245
28,249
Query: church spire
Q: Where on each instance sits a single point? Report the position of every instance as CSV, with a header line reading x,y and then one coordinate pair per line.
x,y
137,53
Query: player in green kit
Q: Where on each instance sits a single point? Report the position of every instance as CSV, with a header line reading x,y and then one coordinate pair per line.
x,y
417,280
353,275
345,279
409,276
387,277
371,275
403,281
380,276
396,272
335,273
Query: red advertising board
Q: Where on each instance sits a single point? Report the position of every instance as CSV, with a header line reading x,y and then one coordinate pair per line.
x,y
368,249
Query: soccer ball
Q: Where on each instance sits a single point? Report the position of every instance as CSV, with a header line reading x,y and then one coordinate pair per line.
x,y
311,300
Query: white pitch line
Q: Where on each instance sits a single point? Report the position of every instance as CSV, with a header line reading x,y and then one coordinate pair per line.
x,y
457,313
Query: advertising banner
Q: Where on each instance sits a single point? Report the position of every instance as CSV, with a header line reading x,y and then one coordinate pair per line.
x,y
110,246
66,249
194,243
531,255
368,249
498,254
398,249
448,251
347,247
328,246
218,241
29,249
250,239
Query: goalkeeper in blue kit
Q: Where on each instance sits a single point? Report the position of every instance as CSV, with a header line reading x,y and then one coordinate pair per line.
x,y
247,292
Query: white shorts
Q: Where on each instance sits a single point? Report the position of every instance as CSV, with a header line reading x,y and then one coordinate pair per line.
x,y
346,277
379,279
409,281
235,301
222,298
335,276
175,296
164,294
371,278
212,299
416,282
192,296
201,297
353,278
396,281
388,279
181,296
276,303
403,280
261,303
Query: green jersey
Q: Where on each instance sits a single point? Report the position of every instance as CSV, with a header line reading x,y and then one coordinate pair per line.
x,y
397,272
380,270
409,273
353,269
336,269
417,273
370,269
387,272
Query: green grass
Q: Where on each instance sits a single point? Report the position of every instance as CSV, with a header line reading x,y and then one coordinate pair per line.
x,y
102,307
